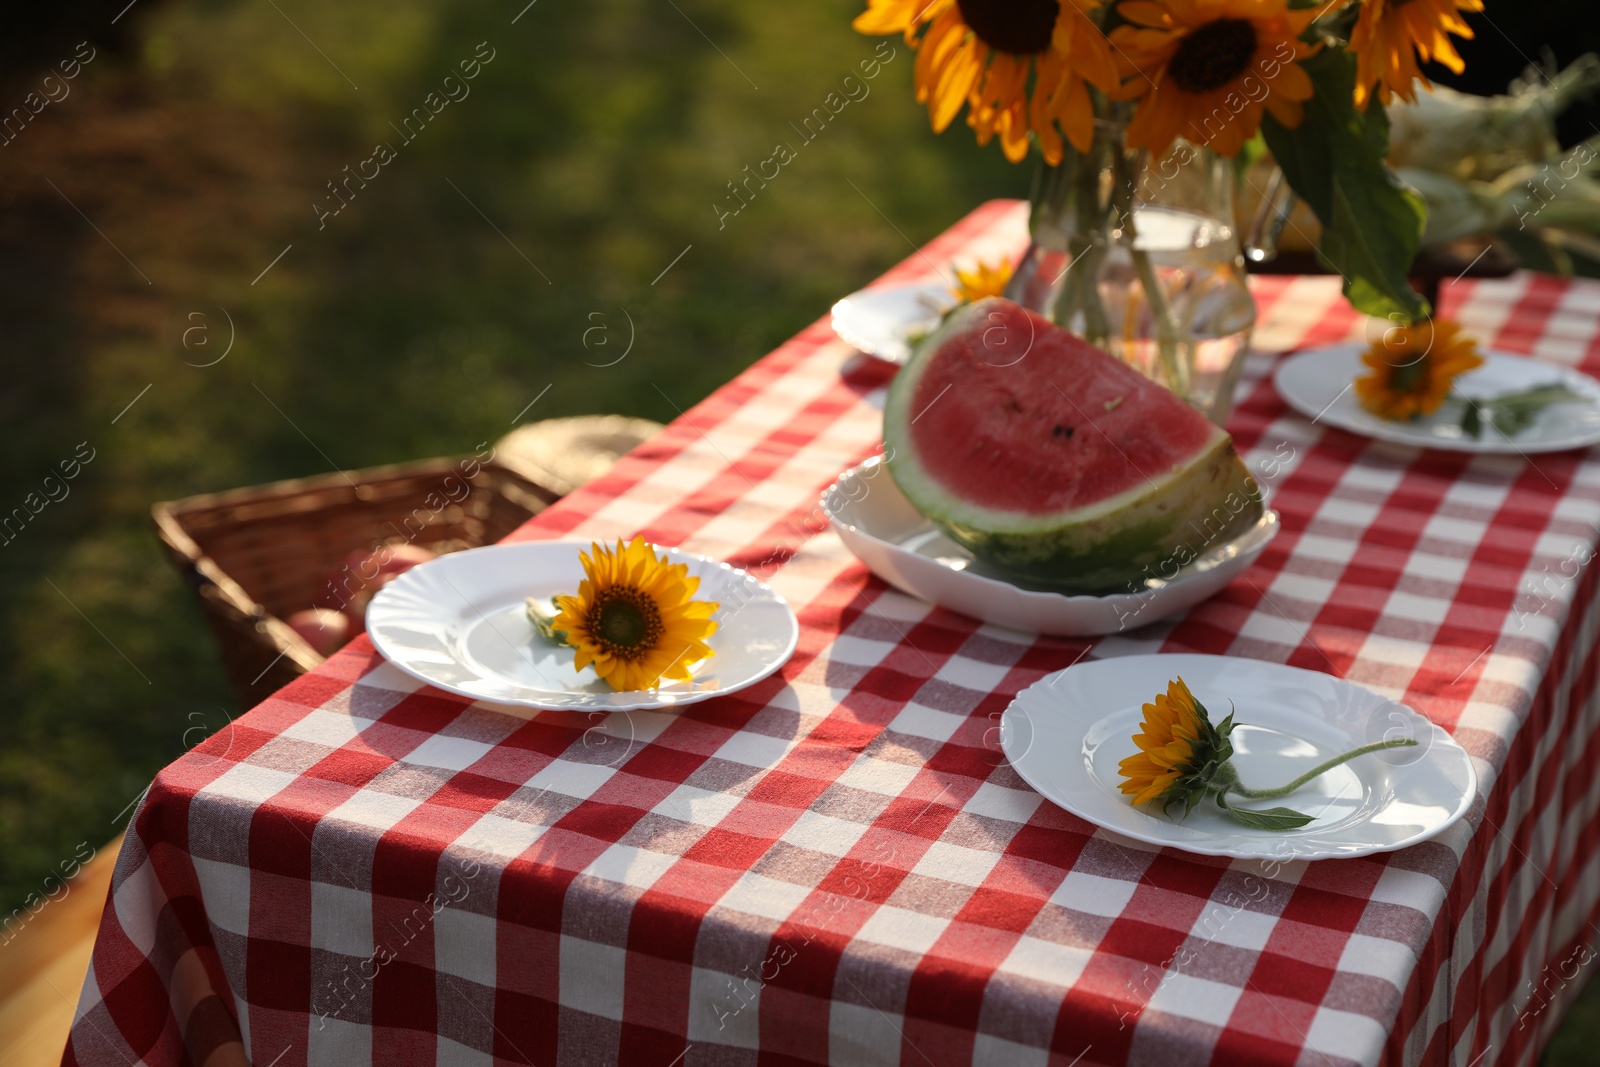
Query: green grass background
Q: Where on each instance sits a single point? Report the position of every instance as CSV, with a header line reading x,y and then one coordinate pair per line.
x,y
596,140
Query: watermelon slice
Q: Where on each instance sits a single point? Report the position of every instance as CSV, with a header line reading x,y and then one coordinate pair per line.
x,y
1053,461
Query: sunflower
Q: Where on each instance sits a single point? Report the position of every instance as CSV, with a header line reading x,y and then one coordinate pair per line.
x,y
1206,69
1390,34
981,53
635,618
1413,368
1180,751
981,281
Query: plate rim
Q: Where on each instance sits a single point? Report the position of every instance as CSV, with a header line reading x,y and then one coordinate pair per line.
x,y
869,348
1401,437
1462,807
645,702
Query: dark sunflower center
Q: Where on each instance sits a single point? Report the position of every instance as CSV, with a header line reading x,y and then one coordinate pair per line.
x,y
1409,376
1021,27
625,622
1213,55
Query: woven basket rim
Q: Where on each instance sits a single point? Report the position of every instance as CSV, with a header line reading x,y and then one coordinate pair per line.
x,y
352,478
168,518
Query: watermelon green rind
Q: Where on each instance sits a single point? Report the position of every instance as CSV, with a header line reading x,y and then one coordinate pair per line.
x,y
1151,529
1152,536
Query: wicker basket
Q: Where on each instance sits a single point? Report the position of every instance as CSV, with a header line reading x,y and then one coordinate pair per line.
x,y
256,555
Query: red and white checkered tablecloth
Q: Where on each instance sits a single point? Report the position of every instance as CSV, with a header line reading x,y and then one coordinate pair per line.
x,y
836,865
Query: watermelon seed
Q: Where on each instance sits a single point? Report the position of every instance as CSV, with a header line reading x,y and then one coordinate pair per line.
x,y
1063,431
1113,404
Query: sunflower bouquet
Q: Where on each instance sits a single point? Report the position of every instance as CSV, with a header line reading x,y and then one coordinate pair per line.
x,y
1104,87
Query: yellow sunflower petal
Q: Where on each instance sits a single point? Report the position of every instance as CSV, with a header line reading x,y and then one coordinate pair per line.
x,y
1145,12
1171,729
1414,367
982,281
887,16
1389,36
1289,112
633,618
1154,790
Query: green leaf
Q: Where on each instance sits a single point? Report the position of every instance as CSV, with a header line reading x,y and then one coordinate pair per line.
x,y
1334,161
543,621
1226,726
1270,818
1514,412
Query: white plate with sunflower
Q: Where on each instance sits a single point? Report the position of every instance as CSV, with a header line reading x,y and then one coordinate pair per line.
x,y
887,322
1431,389
635,627
1204,765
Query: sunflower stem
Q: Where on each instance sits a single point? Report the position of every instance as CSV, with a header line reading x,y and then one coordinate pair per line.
x,y
1169,332
1235,786
1082,291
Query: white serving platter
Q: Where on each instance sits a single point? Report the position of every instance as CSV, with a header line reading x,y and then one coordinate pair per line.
x,y
882,528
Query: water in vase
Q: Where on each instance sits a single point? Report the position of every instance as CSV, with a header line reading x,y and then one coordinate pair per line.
x,y
1094,286
1198,266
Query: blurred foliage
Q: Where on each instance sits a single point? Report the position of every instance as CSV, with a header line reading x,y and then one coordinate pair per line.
x,y
594,144
1511,37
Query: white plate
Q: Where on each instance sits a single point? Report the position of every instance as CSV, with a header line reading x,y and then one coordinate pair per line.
x,y
1318,383
898,544
1066,733
459,623
883,322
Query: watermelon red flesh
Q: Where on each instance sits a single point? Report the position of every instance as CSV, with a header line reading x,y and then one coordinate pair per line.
x,y
1060,426
1054,462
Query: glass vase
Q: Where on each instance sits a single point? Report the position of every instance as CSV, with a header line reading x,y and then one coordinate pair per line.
x,y
1143,259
